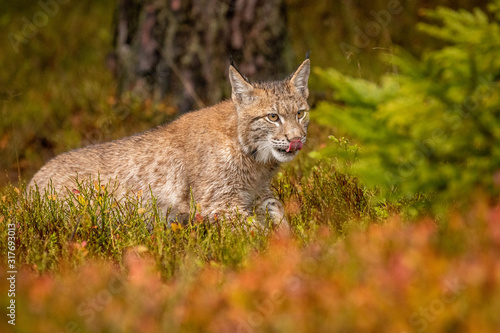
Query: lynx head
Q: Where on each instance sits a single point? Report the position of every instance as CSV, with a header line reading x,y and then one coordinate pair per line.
x,y
272,116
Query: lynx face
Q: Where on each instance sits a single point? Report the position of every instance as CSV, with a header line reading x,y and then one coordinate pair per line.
x,y
272,116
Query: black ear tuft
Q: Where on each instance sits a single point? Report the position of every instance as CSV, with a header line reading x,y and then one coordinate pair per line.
x,y
234,66
307,54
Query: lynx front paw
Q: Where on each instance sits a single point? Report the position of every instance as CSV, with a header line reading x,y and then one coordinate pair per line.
x,y
273,209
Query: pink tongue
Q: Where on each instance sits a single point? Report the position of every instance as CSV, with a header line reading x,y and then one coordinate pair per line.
x,y
294,145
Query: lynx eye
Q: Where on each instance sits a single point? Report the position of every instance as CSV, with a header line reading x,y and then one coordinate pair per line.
x,y
301,114
273,117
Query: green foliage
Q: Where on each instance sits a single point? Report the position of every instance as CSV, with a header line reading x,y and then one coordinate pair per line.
x,y
323,196
91,222
434,127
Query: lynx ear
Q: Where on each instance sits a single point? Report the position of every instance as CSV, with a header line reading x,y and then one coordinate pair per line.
x,y
300,77
241,89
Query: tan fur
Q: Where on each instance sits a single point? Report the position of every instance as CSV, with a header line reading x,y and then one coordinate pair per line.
x,y
226,154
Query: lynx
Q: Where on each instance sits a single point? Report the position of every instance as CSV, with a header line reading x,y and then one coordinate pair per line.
x,y
223,156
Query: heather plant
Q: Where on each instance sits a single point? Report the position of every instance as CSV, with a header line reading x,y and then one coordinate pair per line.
x,y
393,276
431,128
92,223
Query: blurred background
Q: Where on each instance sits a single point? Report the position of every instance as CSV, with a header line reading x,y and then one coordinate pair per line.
x,y
76,73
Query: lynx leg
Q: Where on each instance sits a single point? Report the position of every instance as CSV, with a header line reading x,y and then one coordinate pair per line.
x,y
273,208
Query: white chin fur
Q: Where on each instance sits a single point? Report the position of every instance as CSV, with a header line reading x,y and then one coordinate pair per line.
x,y
265,154
281,157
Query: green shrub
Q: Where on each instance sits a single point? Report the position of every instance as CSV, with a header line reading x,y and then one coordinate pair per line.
x,y
434,127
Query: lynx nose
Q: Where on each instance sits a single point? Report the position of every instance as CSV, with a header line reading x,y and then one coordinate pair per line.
x,y
295,144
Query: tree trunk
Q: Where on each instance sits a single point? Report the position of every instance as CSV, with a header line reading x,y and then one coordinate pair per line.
x,y
179,50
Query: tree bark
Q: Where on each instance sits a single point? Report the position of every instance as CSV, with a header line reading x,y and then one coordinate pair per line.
x,y
179,50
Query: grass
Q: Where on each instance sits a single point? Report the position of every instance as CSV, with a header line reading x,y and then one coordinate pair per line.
x,y
49,227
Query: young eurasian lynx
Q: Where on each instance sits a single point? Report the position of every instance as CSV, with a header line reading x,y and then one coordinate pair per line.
x,y
225,155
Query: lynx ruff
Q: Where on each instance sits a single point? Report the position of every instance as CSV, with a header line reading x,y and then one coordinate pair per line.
x,y
223,156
